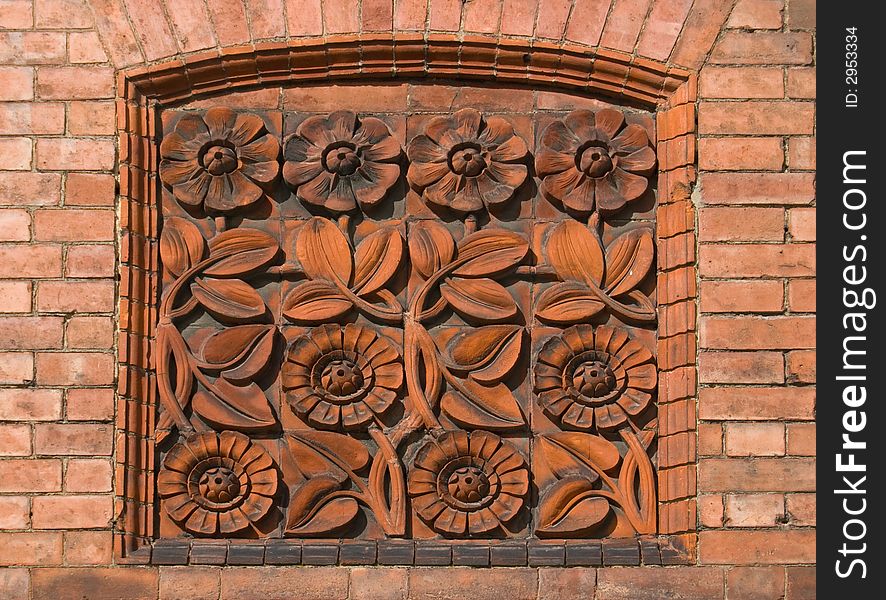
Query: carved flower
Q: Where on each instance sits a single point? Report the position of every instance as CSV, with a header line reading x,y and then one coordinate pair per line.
x,y
341,376
464,161
217,483
592,160
219,160
468,483
594,378
338,161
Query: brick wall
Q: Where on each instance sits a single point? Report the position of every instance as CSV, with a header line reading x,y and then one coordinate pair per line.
x,y
756,364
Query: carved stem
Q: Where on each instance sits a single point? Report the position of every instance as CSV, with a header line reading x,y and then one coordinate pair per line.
x,y
415,346
221,224
166,334
470,224
647,315
344,222
395,517
647,480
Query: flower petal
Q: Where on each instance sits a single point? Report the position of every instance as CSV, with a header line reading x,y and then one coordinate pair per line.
x,y
173,172
581,198
555,353
341,197
561,184
506,507
373,181
316,130
233,191
492,192
549,162
609,416
245,129
555,402
342,124
582,124
191,127
609,121
264,172
578,416
607,196
632,138
630,186
179,507
451,521
424,174
442,131
263,149
193,191
233,520
467,123
467,199
202,521
298,173
442,193
315,191
177,148
510,175
325,415
220,121
423,149
428,505
482,521
641,161
634,401
510,150
643,377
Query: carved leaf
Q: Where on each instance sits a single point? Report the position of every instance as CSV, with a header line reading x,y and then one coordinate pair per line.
x,y
567,302
225,348
347,449
181,245
376,260
490,252
575,253
488,353
301,461
234,407
628,260
482,299
308,495
245,251
315,301
567,509
483,407
571,452
324,251
233,299
331,518
430,247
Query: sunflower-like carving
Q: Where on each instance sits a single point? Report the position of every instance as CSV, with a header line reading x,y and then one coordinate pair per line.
x,y
217,483
342,376
592,161
338,162
218,161
465,161
468,483
594,378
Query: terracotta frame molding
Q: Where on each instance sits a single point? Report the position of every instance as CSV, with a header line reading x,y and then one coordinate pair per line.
x,y
671,91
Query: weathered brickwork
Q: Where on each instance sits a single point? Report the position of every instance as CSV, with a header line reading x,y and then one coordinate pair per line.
x,y
734,86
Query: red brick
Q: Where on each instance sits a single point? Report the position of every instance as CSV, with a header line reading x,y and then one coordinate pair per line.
x,y
90,333
91,118
519,16
191,23
320,583
801,15
16,439
741,225
757,260
748,333
740,367
88,475
189,583
801,224
756,14
89,189
754,583
16,14
756,403
129,583
15,513
801,82
70,225
710,510
15,296
153,30
800,366
16,368
88,547
31,47
662,28
85,47
741,82
26,118
757,188
757,296
756,475
73,439
75,296
75,154
755,439
341,16
36,260
15,225
650,583
75,368
378,583
760,547
16,83
552,18
801,439
65,83
801,295
452,583
566,584
699,33
89,404
801,153
386,98
71,512
30,188
710,439
376,15
31,548
62,14
112,23
754,510
27,475
30,333
481,16
264,20
756,118
801,509
586,23
740,153
303,17
763,48
15,154
444,15
90,260
626,18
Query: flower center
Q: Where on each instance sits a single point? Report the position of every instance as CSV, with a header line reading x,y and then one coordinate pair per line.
x,y
219,485
468,484
593,378
342,378
219,159
467,159
594,161
342,158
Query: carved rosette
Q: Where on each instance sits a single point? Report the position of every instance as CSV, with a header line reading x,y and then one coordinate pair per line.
x,y
339,162
217,484
219,161
468,483
466,161
593,161
342,377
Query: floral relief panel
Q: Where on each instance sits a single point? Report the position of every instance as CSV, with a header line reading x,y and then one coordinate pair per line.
x,y
437,324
